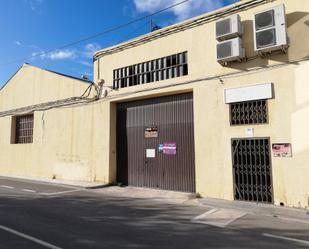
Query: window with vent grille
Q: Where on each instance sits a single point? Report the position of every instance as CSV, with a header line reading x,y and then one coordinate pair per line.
x,y
249,112
23,129
168,67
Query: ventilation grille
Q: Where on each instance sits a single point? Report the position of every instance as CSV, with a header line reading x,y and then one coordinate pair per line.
x,y
266,38
168,67
223,27
264,20
224,50
249,112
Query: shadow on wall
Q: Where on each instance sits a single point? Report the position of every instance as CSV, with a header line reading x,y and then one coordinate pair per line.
x,y
302,27
294,17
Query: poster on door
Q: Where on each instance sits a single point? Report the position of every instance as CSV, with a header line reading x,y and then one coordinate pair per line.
x,y
151,132
169,148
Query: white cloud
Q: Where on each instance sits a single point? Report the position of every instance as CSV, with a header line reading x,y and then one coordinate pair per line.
x,y
85,63
83,56
61,54
56,55
182,11
35,5
90,49
18,43
40,54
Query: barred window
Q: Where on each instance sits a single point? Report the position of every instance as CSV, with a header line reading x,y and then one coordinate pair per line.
x,y
249,112
155,70
24,129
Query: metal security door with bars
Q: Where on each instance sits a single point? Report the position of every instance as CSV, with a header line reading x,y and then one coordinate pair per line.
x,y
252,170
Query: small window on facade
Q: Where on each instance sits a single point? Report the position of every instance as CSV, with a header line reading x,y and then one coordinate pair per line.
x,y
249,112
151,71
23,133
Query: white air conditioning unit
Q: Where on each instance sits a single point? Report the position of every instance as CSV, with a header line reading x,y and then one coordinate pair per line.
x,y
270,30
230,50
229,28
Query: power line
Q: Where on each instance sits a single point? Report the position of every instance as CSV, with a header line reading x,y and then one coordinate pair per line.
x,y
214,77
85,100
128,35
181,27
96,35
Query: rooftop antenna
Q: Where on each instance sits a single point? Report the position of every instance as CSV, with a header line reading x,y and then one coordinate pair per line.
x,y
85,77
154,26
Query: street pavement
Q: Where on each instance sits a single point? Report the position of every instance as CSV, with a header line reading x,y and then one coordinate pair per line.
x,y
37,215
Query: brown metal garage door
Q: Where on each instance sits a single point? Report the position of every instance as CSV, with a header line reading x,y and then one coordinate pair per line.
x,y
155,143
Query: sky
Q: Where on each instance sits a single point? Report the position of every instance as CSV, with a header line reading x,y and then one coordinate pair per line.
x,y
28,28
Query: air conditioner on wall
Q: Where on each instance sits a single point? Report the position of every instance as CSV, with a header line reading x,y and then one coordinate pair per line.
x,y
270,30
230,50
229,28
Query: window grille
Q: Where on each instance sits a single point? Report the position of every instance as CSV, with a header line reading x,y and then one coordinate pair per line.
x,y
249,112
151,71
24,129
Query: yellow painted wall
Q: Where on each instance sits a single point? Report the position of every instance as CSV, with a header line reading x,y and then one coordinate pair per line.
x,y
288,111
32,85
64,144
79,142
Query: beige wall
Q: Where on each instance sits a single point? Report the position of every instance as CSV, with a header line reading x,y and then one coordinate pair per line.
x,y
65,142
288,111
79,142
32,85
200,42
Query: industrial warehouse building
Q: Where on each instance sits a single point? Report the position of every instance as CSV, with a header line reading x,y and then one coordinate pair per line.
x,y
217,105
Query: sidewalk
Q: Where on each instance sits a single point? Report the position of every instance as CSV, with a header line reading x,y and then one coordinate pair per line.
x,y
77,184
258,209
285,213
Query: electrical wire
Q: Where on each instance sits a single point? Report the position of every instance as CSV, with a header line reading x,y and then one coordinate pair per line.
x,y
128,35
181,27
96,35
85,100
215,77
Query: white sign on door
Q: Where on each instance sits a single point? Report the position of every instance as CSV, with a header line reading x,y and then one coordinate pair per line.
x,y
150,153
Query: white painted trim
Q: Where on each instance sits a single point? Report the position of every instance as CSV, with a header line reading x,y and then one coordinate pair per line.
x,y
28,237
62,192
8,187
28,190
304,242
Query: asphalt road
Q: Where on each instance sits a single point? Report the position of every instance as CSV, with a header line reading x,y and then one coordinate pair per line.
x,y
35,215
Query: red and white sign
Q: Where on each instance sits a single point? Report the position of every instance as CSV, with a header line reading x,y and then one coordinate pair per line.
x,y
282,150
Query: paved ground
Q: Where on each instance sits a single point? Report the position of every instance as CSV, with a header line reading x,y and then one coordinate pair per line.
x,y
36,215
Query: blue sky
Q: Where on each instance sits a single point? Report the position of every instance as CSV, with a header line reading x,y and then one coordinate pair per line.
x,y
30,27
